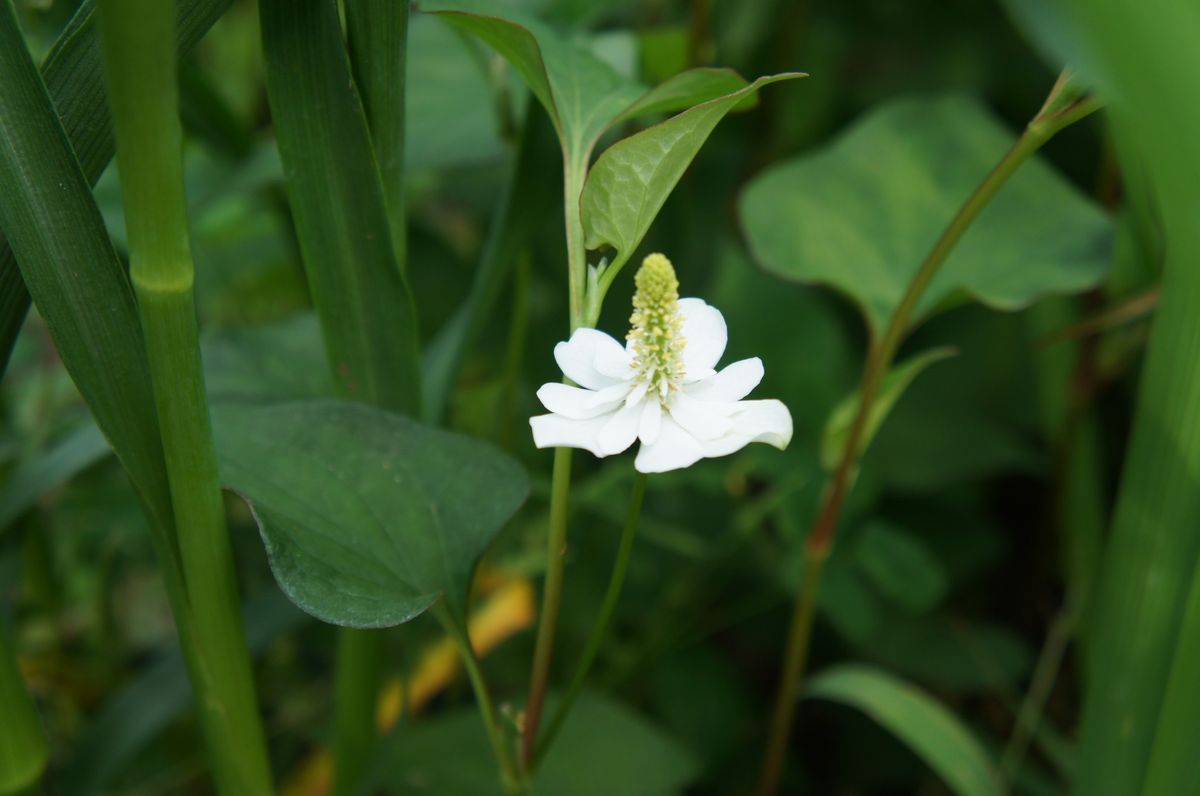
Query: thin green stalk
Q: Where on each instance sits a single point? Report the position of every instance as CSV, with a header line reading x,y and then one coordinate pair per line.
x,y
574,175
356,691
556,550
483,697
611,597
1060,110
794,660
137,41
22,742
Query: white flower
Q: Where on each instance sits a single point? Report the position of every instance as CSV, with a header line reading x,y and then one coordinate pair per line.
x,y
660,388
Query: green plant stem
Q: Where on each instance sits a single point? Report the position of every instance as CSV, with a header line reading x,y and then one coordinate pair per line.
x,y
556,549
574,175
794,659
22,743
483,697
356,690
1044,675
1053,117
611,597
137,41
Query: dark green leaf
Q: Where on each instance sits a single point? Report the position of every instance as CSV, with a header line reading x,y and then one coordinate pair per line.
x,y
861,214
900,567
367,517
337,198
918,721
50,470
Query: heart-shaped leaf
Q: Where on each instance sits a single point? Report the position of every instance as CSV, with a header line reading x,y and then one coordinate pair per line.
x,y
861,214
368,517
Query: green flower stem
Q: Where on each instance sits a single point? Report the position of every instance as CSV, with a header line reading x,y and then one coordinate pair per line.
x,y
574,175
483,697
1060,110
356,689
22,742
611,597
556,549
137,39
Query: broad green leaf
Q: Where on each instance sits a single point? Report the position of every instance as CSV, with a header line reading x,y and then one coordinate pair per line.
x,y
73,274
73,77
604,748
900,567
861,214
918,721
33,479
633,178
337,198
837,428
368,517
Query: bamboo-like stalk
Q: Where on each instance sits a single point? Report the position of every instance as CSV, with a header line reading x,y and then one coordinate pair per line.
x,y
137,41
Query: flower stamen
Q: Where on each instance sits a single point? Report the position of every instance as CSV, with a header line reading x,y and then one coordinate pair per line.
x,y
657,342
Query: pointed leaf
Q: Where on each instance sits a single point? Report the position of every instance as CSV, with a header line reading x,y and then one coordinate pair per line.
x,y
684,90
837,428
632,179
918,721
368,517
861,214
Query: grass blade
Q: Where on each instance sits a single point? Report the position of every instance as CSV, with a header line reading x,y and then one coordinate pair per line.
x,y
918,721
363,301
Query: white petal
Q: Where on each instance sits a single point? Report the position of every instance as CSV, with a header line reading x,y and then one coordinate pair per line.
x,y
574,402
637,393
674,448
611,395
753,421
705,335
621,429
733,383
578,357
614,361
651,421
556,431
704,420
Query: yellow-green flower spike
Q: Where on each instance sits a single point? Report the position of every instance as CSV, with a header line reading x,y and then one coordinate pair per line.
x,y
656,340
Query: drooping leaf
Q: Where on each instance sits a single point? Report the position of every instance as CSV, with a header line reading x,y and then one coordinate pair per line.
x,y
633,178
604,748
837,428
337,198
368,517
862,213
918,721
74,79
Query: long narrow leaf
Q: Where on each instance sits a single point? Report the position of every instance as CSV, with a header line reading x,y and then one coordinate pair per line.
x,y
73,76
73,274
366,310
918,721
